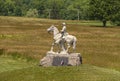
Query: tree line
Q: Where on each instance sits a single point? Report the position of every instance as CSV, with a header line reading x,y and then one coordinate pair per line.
x,y
103,10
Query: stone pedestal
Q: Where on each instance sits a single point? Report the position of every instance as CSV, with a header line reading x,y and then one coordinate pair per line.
x,y
61,59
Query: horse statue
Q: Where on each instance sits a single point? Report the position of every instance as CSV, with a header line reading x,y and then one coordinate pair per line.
x,y
70,40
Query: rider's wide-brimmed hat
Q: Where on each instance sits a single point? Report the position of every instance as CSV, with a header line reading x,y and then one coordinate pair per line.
x,y
63,23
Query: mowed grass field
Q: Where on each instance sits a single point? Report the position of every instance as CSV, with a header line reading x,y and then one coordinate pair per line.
x,y
99,46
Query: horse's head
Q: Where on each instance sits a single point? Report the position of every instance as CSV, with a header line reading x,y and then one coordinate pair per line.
x,y
51,29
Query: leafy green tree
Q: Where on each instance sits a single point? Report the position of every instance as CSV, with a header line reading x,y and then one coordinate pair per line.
x,y
40,6
1,7
116,19
104,10
56,9
71,13
55,6
17,11
32,13
82,7
9,6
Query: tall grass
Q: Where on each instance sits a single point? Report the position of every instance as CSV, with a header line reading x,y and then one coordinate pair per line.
x,y
99,46
24,41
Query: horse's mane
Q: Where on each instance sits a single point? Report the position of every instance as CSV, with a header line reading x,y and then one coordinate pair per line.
x,y
56,29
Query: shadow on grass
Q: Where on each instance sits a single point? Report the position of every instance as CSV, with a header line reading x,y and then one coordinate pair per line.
x,y
2,51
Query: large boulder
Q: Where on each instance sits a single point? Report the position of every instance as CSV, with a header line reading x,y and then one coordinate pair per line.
x,y
61,59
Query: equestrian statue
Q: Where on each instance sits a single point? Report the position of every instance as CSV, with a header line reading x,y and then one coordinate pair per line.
x,y
62,39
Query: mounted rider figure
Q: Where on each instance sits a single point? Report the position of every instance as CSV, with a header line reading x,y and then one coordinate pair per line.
x,y
63,31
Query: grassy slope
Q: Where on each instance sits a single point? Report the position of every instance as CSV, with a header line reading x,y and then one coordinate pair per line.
x,y
81,73
18,70
98,46
10,64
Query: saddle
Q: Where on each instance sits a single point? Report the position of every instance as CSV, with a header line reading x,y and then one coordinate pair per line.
x,y
64,35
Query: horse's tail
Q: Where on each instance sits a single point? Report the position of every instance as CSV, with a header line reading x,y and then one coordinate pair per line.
x,y
74,43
